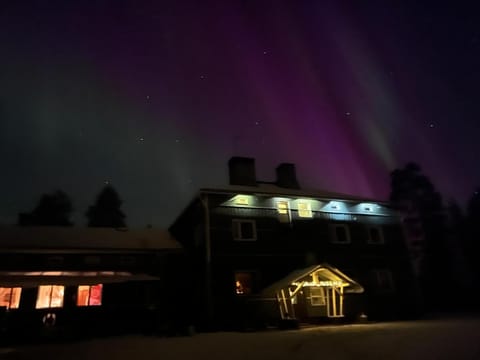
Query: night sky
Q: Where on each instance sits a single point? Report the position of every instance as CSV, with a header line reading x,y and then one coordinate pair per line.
x,y
154,97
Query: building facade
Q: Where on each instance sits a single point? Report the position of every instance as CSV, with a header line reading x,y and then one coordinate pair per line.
x,y
265,252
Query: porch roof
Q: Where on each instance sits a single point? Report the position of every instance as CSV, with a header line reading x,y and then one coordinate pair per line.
x,y
328,272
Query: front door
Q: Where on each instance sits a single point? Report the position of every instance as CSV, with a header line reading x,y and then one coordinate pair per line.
x,y
300,305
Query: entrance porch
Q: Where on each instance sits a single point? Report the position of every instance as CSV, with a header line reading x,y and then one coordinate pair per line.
x,y
312,293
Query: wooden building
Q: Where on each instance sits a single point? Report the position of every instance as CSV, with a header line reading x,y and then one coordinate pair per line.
x,y
86,281
262,252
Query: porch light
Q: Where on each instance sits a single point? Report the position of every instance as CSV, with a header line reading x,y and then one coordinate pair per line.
x,y
241,200
368,207
335,205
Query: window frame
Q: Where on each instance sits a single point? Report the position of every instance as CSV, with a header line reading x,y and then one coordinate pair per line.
x,y
237,229
334,237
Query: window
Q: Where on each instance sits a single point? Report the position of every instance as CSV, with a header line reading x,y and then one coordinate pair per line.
x,y
89,295
340,234
283,211
317,296
383,281
10,297
304,209
244,230
243,283
50,296
375,235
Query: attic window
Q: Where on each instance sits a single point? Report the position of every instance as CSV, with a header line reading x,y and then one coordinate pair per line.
x,y
304,209
282,207
283,211
10,297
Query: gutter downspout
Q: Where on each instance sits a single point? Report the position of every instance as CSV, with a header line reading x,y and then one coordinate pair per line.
x,y
208,261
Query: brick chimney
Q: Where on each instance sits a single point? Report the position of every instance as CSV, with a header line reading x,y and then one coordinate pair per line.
x,y
286,176
242,171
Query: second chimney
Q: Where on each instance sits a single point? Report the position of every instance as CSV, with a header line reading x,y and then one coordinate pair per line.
x,y
286,176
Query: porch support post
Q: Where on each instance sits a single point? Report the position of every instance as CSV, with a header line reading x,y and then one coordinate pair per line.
x,y
334,300
341,300
279,305
285,302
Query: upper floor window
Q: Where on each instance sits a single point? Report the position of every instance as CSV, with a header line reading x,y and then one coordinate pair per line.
x,y
375,235
245,230
89,295
304,209
10,297
340,234
50,296
283,211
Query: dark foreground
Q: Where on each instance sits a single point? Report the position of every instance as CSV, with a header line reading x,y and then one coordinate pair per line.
x,y
449,338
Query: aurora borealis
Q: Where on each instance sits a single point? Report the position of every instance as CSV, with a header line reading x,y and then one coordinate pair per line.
x,y
156,96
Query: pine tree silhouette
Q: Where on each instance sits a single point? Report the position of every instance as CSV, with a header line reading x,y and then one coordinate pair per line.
x,y
415,196
52,210
106,211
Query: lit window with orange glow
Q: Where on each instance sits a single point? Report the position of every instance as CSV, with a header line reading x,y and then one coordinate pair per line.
x,y
10,297
50,296
243,283
89,295
304,209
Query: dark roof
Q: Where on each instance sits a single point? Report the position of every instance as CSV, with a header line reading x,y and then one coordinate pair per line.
x,y
71,238
272,189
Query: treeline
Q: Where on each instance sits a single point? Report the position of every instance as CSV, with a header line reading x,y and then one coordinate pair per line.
x,y
443,240
56,209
